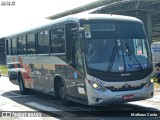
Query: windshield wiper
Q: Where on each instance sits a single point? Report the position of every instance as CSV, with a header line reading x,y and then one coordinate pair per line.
x,y
131,53
112,58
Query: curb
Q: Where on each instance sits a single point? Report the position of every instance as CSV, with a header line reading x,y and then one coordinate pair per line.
x,y
4,75
157,90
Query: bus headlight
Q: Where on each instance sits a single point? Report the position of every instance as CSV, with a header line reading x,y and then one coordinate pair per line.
x,y
97,86
152,80
149,82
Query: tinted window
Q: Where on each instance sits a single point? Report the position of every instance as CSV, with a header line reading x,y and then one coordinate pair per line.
x,y
57,40
21,45
43,42
129,31
7,47
14,46
31,44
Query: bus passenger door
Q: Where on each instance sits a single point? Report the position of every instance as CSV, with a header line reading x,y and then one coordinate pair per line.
x,y
79,74
70,81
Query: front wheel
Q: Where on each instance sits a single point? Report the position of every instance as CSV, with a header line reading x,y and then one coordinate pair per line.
x,y
62,94
22,89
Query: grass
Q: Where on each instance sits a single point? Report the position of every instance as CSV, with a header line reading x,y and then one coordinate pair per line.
x,y
3,69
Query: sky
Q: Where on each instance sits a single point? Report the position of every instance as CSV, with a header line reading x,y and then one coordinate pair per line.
x,y
26,14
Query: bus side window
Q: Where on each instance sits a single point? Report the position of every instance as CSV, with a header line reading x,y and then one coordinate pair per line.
x,y
31,44
14,46
57,40
69,42
78,53
43,42
22,45
10,47
7,47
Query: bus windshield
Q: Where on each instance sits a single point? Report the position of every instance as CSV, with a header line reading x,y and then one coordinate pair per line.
x,y
116,47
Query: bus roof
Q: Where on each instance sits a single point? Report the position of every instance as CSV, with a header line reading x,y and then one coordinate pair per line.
x,y
77,17
104,16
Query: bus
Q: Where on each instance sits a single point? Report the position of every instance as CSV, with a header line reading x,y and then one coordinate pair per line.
x,y
92,59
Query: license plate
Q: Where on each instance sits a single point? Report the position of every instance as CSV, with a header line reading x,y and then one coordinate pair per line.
x,y
128,97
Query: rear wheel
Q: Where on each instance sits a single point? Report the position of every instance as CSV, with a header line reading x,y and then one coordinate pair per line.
x,y
22,89
62,94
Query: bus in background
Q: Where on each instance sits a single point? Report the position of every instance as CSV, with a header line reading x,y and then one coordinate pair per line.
x,y
93,59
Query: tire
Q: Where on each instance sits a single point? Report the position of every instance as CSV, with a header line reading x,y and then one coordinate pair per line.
x,y
22,89
62,94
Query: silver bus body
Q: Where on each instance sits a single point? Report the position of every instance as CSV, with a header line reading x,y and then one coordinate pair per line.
x,y
84,81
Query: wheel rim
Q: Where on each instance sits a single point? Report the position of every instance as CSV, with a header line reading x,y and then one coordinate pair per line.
x,y
21,84
62,93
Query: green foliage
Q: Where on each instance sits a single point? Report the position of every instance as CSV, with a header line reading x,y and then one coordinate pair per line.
x,y
3,69
155,79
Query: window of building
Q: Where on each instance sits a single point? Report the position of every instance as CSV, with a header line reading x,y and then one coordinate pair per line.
x,y
22,45
57,40
31,44
43,42
14,46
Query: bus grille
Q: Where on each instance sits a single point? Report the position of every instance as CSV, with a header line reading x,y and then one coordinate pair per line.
x,y
125,88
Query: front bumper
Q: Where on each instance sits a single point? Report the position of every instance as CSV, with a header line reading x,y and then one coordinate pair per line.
x,y
99,98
